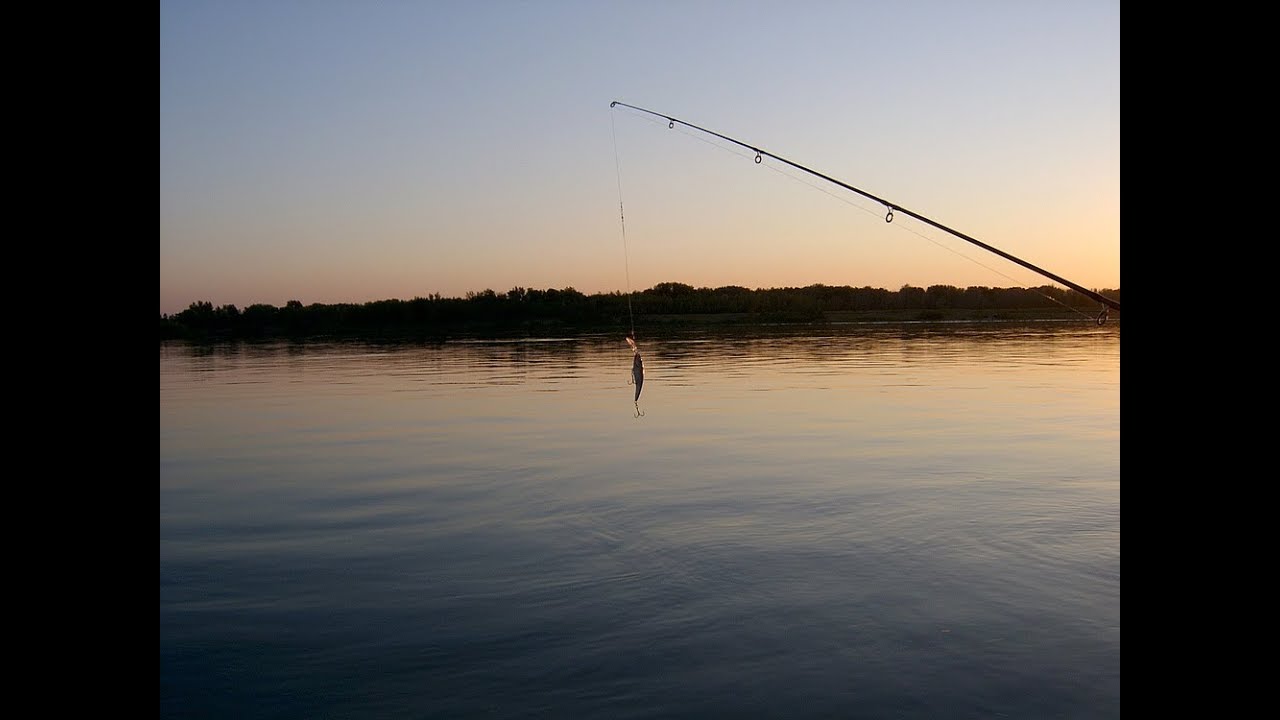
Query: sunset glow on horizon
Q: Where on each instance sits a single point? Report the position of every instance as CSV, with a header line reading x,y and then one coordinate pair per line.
x,y
340,152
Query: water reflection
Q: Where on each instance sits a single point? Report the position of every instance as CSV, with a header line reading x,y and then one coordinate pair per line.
x,y
897,521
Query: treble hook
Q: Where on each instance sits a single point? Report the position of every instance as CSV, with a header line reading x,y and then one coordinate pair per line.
x,y
639,412
1102,316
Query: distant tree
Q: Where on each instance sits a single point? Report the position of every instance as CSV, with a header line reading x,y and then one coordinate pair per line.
x,y
942,296
671,288
487,310
910,297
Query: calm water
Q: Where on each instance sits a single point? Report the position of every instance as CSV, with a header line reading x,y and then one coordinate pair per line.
x,y
898,521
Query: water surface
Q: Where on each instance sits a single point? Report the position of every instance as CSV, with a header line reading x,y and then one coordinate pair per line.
x,y
868,521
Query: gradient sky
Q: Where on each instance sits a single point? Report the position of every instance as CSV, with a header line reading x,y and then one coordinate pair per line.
x,y
339,151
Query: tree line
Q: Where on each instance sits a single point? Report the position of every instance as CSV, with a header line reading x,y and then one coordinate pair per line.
x,y
568,309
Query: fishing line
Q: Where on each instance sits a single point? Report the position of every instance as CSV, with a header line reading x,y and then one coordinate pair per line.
x,y
622,219
637,363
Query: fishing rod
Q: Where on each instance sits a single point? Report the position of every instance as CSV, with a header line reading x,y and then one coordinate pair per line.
x,y
1108,303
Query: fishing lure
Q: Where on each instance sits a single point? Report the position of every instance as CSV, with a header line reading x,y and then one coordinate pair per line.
x,y
637,373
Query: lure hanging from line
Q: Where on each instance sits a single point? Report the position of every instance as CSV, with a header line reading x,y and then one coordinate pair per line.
x,y
1107,303
637,373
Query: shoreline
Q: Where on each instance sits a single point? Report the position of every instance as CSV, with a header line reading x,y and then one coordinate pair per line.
x,y
652,324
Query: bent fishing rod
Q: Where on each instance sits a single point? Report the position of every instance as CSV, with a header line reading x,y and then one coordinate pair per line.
x,y
1108,303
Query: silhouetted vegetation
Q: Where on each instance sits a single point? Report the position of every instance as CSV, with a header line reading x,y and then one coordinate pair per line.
x,y
527,310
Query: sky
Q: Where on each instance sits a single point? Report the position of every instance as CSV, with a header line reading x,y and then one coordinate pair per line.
x,y
347,151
